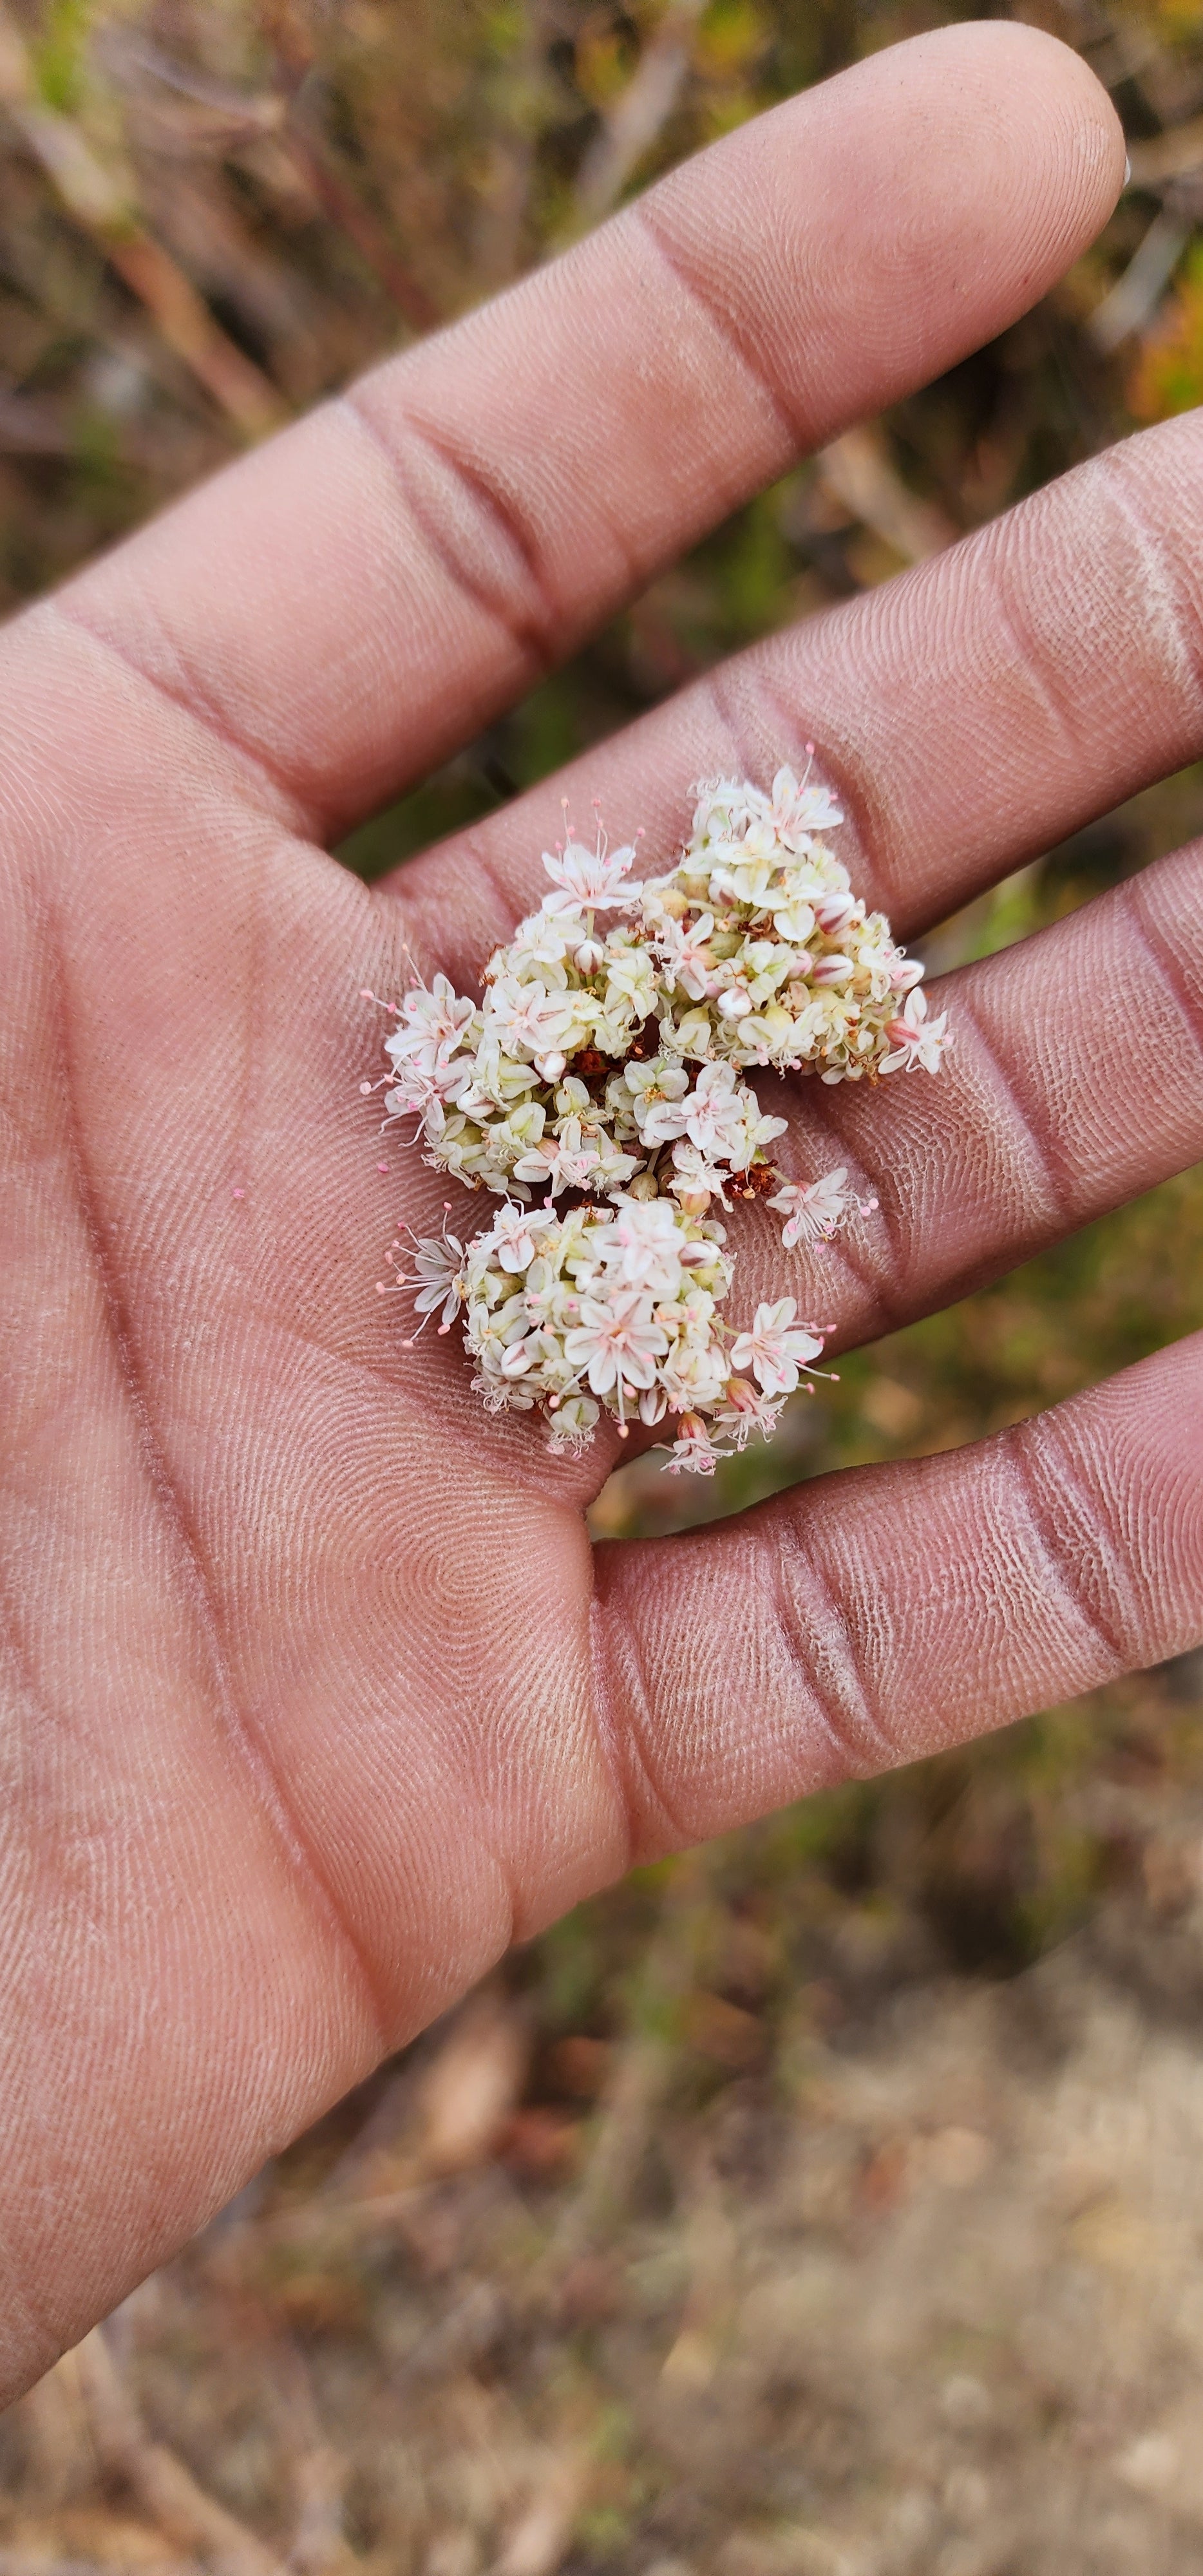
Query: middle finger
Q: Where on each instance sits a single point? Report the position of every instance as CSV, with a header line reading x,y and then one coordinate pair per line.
x,y
1075,1081
972,711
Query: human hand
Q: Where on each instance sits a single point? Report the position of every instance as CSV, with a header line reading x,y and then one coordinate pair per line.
x,y
316,1697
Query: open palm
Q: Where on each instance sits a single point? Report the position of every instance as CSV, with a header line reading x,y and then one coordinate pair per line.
x,y
316,1696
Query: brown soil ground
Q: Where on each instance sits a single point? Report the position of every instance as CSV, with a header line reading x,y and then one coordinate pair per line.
x,y
788,2245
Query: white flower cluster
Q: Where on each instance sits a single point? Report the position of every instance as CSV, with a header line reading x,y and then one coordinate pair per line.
x,y
614,1308
605,1062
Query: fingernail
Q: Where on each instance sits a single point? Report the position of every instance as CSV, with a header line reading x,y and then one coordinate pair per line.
x,y
1127,167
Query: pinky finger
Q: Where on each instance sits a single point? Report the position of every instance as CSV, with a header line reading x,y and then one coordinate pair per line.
x,y
886,1612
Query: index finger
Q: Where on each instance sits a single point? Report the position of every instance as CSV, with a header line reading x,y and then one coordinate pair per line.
x,y
365,592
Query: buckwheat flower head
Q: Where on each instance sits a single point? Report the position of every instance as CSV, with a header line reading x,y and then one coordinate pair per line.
x,y
608,1072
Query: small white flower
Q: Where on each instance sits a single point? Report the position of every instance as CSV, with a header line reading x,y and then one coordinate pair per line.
x,y
514,1233
814,1210
438,1263
687,959
713,1115
693,1452
717,1111
572,1426
794,917
527,1018
433,1025
724,810
630,979
735,1000
564,1162
413,1092
745,875
574,1161
657,1090
695,1174
589,880
799,809
643,1247
491,1329
777,1349
745,1410
695,1373
520,1356
542,942
617,1342
916,1041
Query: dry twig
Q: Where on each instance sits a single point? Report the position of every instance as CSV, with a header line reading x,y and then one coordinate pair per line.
x,y
318,169
640,115
102,208
539,2539
165,2489
642,2069
859,470
32,2562
1133,297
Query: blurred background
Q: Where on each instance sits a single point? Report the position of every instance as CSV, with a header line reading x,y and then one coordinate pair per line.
x,y
827,2203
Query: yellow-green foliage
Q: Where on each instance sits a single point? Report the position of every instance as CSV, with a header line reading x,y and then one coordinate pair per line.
x,y
1168,375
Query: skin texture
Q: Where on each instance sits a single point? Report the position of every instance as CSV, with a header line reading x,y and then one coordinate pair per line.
x,y
314,1695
